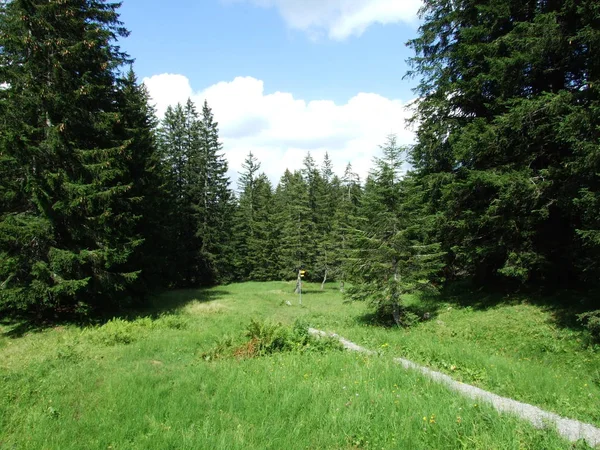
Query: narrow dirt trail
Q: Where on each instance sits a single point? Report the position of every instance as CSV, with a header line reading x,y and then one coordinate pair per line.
x,y
572,430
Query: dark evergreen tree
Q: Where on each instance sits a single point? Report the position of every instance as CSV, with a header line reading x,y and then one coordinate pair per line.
x,y
327,169
180,152
346,220
262,243
327,191
508,133
315,188
172,142
293,225
215,207
390,257
351,190
197,267
245,220
65,231
202,203
149,191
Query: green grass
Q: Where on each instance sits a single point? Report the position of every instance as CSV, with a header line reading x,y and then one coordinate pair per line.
x,y
141,383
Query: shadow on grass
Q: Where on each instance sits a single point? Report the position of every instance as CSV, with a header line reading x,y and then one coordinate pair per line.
x,y
563,306
427,308
20,327
315,291
170,302
156,305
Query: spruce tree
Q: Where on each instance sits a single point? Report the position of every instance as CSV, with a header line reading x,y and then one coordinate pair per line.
x,y
179,151
327,192
293,225
172,141
245,219
312,233
215,205
262,243
197,270
390,257
202,203
327,169
345,220
65,231
508,133
149,191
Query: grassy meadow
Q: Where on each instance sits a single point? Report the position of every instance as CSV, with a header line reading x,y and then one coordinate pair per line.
x,y
170,378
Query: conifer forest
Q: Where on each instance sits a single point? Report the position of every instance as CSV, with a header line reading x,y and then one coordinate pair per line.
x,y
151,297
101,203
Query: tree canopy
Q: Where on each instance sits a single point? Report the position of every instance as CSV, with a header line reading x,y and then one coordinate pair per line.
x,y
101,202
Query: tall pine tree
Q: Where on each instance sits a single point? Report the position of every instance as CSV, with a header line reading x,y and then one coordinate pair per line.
x,y
327,196
180,152
245,220
390,257
215,205
262,242
149,191
66,233
293,225
508,135
345,220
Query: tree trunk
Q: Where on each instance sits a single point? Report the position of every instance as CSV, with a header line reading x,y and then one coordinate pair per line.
x,y
324,280
298,285
396,312
395,305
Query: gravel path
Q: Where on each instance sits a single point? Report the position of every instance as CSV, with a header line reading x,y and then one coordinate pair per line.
x,y
572,430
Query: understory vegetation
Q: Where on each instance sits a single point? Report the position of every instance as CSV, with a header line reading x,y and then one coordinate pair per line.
x,y
102,203
145,302
233,367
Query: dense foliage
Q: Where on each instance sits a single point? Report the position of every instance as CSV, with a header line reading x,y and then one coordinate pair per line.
x,y
69,195
100,202
509,135
389,257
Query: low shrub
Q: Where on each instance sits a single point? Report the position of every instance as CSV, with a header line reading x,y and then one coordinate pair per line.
x,y
222,348
114,332
172,321
384,315
120,331
265,338
591,321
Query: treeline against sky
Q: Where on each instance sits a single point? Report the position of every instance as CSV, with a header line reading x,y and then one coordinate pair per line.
x,y
101,204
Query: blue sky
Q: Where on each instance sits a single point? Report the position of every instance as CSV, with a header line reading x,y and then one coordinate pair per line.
x,y
283,76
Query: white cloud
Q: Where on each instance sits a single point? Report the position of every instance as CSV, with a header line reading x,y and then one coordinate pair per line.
x,y
280,129
168,89
340,19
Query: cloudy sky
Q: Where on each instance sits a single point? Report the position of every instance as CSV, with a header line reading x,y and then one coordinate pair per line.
x,y
283,77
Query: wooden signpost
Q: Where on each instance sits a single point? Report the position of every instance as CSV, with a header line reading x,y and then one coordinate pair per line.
x,y
301,273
